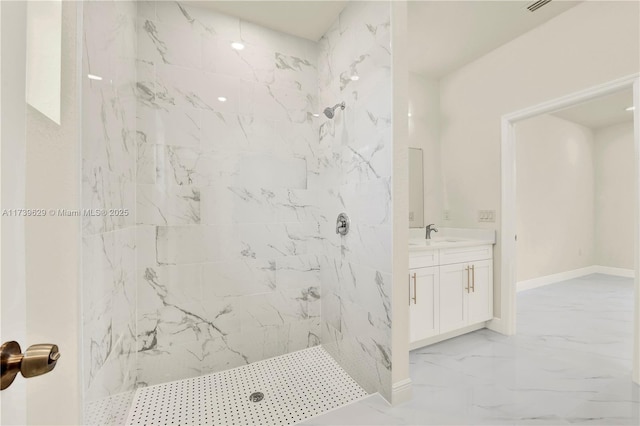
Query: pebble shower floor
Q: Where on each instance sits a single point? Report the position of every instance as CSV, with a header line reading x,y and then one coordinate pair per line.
x,y
296,386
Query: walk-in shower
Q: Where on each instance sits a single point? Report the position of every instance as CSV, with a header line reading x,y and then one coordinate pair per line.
x,y
228,256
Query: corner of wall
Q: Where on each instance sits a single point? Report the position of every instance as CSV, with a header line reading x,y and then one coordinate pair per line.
x,y
401,383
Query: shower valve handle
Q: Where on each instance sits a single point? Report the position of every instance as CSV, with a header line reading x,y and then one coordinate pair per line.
x,y
342,224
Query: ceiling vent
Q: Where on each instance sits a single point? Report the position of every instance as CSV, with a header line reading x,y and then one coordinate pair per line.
x,y
537,5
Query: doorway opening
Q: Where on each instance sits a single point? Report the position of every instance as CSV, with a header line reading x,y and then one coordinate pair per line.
x,y
509,237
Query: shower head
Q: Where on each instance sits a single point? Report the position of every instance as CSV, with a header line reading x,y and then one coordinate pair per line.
x,y
330,111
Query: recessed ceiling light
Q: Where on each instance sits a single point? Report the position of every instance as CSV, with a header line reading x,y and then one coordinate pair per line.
x,y
222,99
409,115
94,77
237,45
355,77
631,108
315,114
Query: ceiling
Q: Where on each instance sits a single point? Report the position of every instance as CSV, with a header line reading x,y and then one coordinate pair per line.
x,y
445,35
601,112
306,19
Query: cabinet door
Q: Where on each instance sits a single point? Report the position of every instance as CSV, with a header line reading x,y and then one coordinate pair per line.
x,y
453,297
424,305
481,294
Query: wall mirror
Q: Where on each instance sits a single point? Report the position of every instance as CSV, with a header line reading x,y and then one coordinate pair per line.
x,y
416,189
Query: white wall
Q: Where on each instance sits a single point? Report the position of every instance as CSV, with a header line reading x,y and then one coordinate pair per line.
x,y
592,43
401,383
424,133
52,250
13,163
555,196
614,196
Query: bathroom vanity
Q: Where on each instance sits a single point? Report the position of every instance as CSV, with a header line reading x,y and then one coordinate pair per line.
x,y
450,284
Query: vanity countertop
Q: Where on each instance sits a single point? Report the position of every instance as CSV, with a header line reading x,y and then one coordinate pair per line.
x,y
444,242
451,238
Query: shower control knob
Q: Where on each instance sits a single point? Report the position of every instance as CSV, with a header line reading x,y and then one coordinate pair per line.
x,y
342,224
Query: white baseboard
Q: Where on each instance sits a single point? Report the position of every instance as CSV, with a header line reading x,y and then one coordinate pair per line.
x,y
446,336
575,273
401,392
499,326
618,272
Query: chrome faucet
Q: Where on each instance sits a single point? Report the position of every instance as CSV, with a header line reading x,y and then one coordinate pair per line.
x,y
430,228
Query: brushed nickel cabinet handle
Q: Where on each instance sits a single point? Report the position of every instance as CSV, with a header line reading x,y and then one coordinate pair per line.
x,y
467,287
415,292
473,278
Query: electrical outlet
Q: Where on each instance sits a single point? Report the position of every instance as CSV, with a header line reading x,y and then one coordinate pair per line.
x,y
486,215
447,215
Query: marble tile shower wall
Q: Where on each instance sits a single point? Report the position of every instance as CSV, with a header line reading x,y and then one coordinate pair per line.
x,y
355,169
108,183
228,215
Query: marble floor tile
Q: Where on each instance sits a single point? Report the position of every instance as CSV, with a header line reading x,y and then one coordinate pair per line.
x,y
569,363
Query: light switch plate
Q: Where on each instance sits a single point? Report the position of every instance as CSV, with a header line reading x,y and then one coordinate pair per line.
x,y
486,215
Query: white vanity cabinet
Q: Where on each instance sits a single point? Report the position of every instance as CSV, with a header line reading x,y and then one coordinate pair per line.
x,y
449,289
424,311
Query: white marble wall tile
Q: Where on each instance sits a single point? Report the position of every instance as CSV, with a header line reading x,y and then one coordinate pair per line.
x,y
109,309
298,272
174,362
277,41
108,129
173,285
299,205
117,374
146,9
262,241
238,278
298,139
234,350
276,340
304,334
146,84
230,204
366,163
197,19
146,154
161,43
146,255
195,244
163,326
278,103
353,164
186,87
251,64
369,289
295,72
109,45
108,177
169,126
256,242
368,202
233,132
105,191
369,246
187,166
178,205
